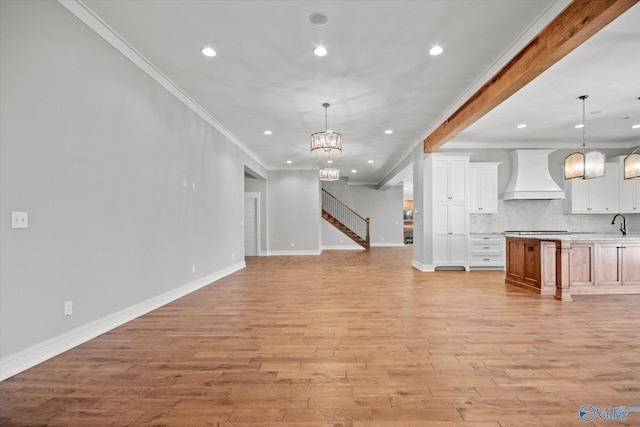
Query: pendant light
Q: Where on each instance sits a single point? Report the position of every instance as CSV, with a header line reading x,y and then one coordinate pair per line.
x,y
329,174
326,143
632,165
584,165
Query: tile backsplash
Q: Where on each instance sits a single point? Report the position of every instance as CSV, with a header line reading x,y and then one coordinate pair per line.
x,y
546,215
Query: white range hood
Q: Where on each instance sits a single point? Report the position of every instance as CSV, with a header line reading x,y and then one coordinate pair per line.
x,y
530,178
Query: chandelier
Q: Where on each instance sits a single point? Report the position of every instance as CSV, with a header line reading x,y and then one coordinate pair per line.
x,y
329,174
326,143
581,164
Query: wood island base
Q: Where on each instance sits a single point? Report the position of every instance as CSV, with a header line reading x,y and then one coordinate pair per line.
x,y
574,264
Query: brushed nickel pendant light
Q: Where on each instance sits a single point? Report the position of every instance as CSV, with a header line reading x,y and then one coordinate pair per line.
x,y
584,165
329,174
632,165
326,143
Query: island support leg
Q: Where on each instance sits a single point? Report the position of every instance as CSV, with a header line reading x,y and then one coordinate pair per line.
x,y
563,291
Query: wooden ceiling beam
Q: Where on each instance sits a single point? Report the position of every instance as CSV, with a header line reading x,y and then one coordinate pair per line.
x,y
572,27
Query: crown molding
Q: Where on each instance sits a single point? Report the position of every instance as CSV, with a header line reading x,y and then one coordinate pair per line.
x,y
94,22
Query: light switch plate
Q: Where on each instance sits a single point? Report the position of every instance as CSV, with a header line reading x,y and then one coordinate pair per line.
x,y
19,220
68,308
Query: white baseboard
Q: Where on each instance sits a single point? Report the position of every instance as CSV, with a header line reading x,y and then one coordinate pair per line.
x,y
423,267
389,245
342,248
288,253
25,359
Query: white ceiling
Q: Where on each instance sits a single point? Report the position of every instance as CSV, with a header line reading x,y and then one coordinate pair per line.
x,y
377,74
606,68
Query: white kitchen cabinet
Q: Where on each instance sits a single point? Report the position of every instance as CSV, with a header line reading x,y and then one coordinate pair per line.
x,y
483,187
629,189
597,195
450,210
450,178
630,195
486,251
450,234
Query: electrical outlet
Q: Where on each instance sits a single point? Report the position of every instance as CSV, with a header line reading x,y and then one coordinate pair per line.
x,y
193,268
68,308
233,256
19,220
292,244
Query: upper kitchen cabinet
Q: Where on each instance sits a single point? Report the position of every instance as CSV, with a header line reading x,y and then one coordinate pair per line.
x,y
483,187
630,196
629,189
450,177
597,195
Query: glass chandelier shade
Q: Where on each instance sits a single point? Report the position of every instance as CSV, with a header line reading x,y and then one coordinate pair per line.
x,y
583,165
632,166
329,174
326,143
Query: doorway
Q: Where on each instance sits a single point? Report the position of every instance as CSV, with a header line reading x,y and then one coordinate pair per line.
x,y
251,224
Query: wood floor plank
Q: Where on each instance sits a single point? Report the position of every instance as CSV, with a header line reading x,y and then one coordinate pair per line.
x,y
350,339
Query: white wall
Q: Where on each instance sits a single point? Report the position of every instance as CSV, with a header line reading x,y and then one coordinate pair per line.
x,y
294,211
421,205
384,210
105,161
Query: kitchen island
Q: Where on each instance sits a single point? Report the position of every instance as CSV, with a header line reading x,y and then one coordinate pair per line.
x,y
574,264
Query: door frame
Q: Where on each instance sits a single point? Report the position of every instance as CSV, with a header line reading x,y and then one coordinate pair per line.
x,y
256,196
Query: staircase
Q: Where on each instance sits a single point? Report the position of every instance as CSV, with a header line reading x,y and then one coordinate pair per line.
x,y
345,219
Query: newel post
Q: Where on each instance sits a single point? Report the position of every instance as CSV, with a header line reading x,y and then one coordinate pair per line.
x,y
368,235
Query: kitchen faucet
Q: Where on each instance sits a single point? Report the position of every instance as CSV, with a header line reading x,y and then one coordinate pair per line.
x,y
623,226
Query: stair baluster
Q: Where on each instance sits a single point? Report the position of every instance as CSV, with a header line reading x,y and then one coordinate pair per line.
x,y
346,219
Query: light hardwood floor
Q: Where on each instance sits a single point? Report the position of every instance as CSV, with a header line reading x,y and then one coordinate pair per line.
x,y
346,339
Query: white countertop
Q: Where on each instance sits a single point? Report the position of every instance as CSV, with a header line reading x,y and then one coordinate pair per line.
x,y
578,236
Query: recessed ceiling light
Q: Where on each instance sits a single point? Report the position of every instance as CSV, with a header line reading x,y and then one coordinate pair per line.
x,y
436,50
207,51
388,131
267,132
636,126
329,161
521,126
320,51
579,126
353,171
370,161
289,162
